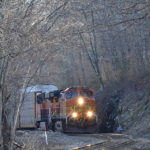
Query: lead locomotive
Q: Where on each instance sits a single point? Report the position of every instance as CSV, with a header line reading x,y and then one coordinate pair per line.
x,y
69,110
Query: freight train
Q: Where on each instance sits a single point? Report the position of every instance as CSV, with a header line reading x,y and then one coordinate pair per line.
x,y
66,110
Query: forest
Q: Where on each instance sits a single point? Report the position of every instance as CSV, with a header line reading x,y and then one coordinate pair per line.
x,y
92,43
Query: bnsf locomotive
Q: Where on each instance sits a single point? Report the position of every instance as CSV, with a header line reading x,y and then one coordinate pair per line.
x,y
66,110
75,108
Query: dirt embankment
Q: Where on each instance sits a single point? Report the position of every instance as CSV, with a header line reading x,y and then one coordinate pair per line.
x,y
135,116
126,108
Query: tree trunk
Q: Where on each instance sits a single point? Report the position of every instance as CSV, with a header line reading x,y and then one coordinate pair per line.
x,y
101,83
1,100
1,139
6,130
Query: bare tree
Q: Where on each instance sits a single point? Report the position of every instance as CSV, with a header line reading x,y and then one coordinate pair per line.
x,y
92,52
21,33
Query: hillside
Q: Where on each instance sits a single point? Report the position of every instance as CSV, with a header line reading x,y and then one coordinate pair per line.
x,y
130,107
135,104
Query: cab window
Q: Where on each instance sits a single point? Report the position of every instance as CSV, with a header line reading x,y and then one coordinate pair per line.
x,y
86,93
71,94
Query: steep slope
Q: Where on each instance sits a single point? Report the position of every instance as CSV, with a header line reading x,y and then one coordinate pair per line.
x,y
126,108
135,104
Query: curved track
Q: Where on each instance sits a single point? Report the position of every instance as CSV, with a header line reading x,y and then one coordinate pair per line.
x,y
112,142
109,145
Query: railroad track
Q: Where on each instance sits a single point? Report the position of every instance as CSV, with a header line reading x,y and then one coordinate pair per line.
x,y
102,135
110,136
107,145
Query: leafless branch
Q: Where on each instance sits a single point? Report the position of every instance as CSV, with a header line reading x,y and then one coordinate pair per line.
x,y
51,15
18,145
29,9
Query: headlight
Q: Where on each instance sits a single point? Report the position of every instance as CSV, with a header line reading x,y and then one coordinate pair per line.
x,y
89,114
80,101
74,115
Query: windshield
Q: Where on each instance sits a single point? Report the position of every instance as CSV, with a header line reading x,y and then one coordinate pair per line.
x,y
71,94
86,93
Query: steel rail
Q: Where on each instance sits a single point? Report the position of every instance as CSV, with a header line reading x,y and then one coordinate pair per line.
x,y
104,145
